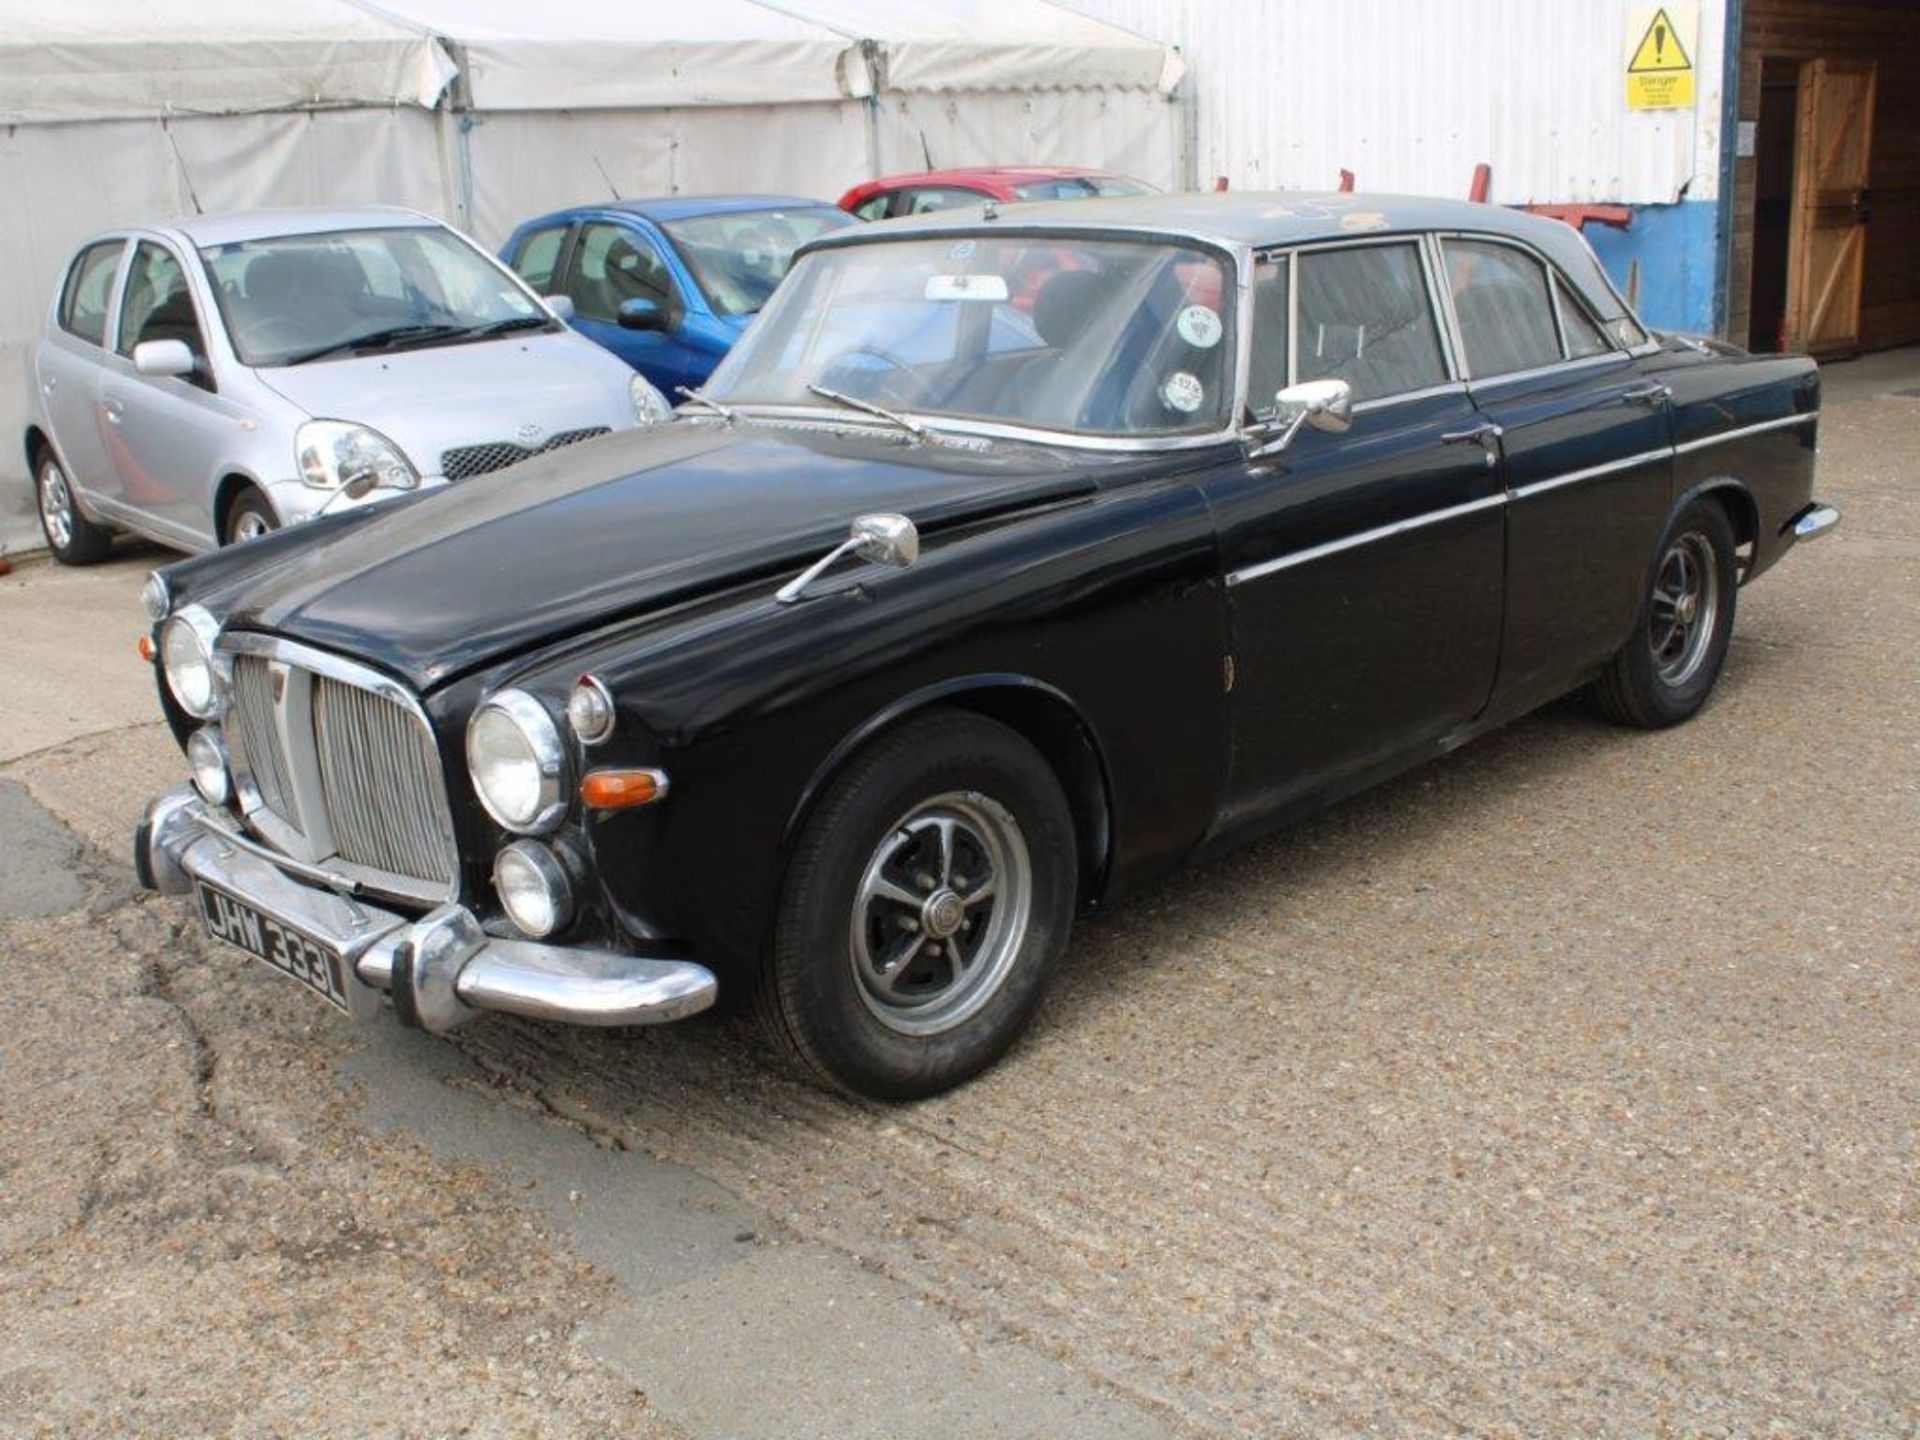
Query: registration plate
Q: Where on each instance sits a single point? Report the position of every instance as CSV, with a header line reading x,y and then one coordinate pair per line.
x,y
275,942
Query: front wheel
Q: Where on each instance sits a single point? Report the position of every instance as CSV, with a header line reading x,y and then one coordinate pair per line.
x,y
929,899
249,517
1667,668
71,536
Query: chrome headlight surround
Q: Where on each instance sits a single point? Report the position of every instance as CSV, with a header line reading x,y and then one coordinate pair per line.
x,y
187,659
155,597
519,763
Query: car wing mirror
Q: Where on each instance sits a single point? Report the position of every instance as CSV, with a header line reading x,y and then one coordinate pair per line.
x,y
1324,404
890,540
164,358
560,305
641,315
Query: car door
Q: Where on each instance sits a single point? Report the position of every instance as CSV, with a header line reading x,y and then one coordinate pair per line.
x,y
1588,461
69,365
1363,569
166,435
611,263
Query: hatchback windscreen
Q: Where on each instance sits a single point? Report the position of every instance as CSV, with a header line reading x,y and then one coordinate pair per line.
x,y
290,299
1057,332
740,256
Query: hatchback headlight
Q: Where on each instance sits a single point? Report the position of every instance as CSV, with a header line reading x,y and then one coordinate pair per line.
x,y
518,762
335,455
186,655
649,405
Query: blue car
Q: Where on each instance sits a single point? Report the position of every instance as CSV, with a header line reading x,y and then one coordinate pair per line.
x,y
668,284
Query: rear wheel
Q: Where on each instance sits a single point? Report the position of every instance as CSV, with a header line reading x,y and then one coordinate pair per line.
x,y
71,536
248,518
1666,670
929,899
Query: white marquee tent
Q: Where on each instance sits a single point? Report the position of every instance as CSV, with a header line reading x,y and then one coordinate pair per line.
x,y
485,112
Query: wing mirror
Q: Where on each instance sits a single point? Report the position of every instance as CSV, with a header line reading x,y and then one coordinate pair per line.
x,y
641,315
560,305
1324,404
163,358
890,540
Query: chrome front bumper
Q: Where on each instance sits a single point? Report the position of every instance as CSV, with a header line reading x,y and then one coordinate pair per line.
x,y
1813,522
438,971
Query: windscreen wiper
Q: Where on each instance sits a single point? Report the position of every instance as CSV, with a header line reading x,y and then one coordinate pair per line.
x,y
912,427
507,326
387,339
725,412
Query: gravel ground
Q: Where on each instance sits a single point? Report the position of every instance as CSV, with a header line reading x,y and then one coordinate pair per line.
x,y
1566,1085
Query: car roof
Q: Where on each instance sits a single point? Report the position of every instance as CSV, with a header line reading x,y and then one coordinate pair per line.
x,y
1261,220
998,175
239,225
687,207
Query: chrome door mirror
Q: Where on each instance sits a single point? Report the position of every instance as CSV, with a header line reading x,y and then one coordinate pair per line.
x,y
1324,404
163,358
890,540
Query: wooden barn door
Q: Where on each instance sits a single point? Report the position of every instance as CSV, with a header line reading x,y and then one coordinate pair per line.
x,y
1828,249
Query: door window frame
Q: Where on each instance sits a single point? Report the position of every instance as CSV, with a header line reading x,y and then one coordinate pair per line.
x,y
1557,284
201,377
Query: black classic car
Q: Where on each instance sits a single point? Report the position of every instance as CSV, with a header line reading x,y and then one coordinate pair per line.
x,y
1006,561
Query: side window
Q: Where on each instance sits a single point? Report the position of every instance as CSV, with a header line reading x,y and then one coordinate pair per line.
x,y
1505,311
612,265
1267,371
536,256
874,207
1583,336
926,200
1365,317
157,304
89,286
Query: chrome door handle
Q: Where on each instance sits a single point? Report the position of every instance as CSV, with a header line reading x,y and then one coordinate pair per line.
x,y
1485,433
1651,394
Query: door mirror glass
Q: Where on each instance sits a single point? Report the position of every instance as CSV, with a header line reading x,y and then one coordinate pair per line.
x,y
641,315
560,305
163,358
890,540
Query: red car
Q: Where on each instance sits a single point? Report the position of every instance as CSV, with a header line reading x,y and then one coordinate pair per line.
x,y
944,189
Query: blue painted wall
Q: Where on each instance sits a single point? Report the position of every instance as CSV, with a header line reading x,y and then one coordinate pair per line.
x,y
1679,262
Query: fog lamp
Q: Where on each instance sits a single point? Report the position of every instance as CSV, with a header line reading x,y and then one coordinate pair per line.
x,y
207,758
533,888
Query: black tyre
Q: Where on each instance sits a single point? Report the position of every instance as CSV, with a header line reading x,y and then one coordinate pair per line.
x,y
929,899
248,518
1667,668
71,536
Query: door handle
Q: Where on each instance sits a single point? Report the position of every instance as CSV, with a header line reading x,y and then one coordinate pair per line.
x,y
50,384
1653,393
1486,433
114,410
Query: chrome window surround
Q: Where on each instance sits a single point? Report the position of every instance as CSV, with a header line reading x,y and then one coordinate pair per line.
x,y
307,837
1557,284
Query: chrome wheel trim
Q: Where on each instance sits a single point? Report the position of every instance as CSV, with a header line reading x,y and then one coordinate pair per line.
x,y
56,504
250,526
1685,608
940,913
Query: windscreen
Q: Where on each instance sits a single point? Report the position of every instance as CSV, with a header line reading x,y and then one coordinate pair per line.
x,y
1057,332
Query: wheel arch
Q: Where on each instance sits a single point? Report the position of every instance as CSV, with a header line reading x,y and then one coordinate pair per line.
x,y
1040,713
232,486
1743,510
37,440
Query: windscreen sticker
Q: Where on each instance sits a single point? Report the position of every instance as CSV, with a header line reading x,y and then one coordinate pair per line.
x,y
1183,392
1199,326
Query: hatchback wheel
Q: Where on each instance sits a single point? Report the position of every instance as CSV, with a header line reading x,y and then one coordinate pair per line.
x,y
929,899
1664,673
248,518
71,536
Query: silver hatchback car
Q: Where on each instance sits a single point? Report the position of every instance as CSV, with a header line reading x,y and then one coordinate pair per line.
x,y
207,381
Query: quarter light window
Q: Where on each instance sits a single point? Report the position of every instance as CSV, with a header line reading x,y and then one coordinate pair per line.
x,y
1364,317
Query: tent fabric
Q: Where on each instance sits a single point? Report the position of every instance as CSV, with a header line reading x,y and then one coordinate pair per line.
x,y
129,59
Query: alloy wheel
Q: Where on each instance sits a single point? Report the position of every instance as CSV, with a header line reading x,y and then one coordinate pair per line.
x,y
1686,605
56,504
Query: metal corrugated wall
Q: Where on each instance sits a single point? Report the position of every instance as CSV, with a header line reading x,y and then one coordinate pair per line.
x,y
1411,94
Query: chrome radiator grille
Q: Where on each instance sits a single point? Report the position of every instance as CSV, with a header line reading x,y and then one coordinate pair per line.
x,y
336,765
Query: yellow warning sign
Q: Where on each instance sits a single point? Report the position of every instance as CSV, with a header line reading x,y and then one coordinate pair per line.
x,y
1660,57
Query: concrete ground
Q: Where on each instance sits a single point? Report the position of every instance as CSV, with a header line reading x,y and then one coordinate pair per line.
x,y
1565,1086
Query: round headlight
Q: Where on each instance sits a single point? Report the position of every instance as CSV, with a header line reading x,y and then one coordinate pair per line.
x,y
533,888
590,710
518,762
207,755
186,654
155,598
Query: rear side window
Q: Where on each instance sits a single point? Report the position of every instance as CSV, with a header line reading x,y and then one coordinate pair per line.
x,y
927,199
1583,336
538,255
1505,309
83,299
874,206
1365,317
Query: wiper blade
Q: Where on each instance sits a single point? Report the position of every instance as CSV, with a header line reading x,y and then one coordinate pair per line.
x,y
725,412
912,427
376,340
507,326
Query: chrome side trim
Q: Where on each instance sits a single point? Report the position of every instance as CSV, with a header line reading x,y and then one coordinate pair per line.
x,y
1592,472
1365,537
1688,447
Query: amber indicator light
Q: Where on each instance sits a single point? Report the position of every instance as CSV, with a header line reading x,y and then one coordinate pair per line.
x,y
622,789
